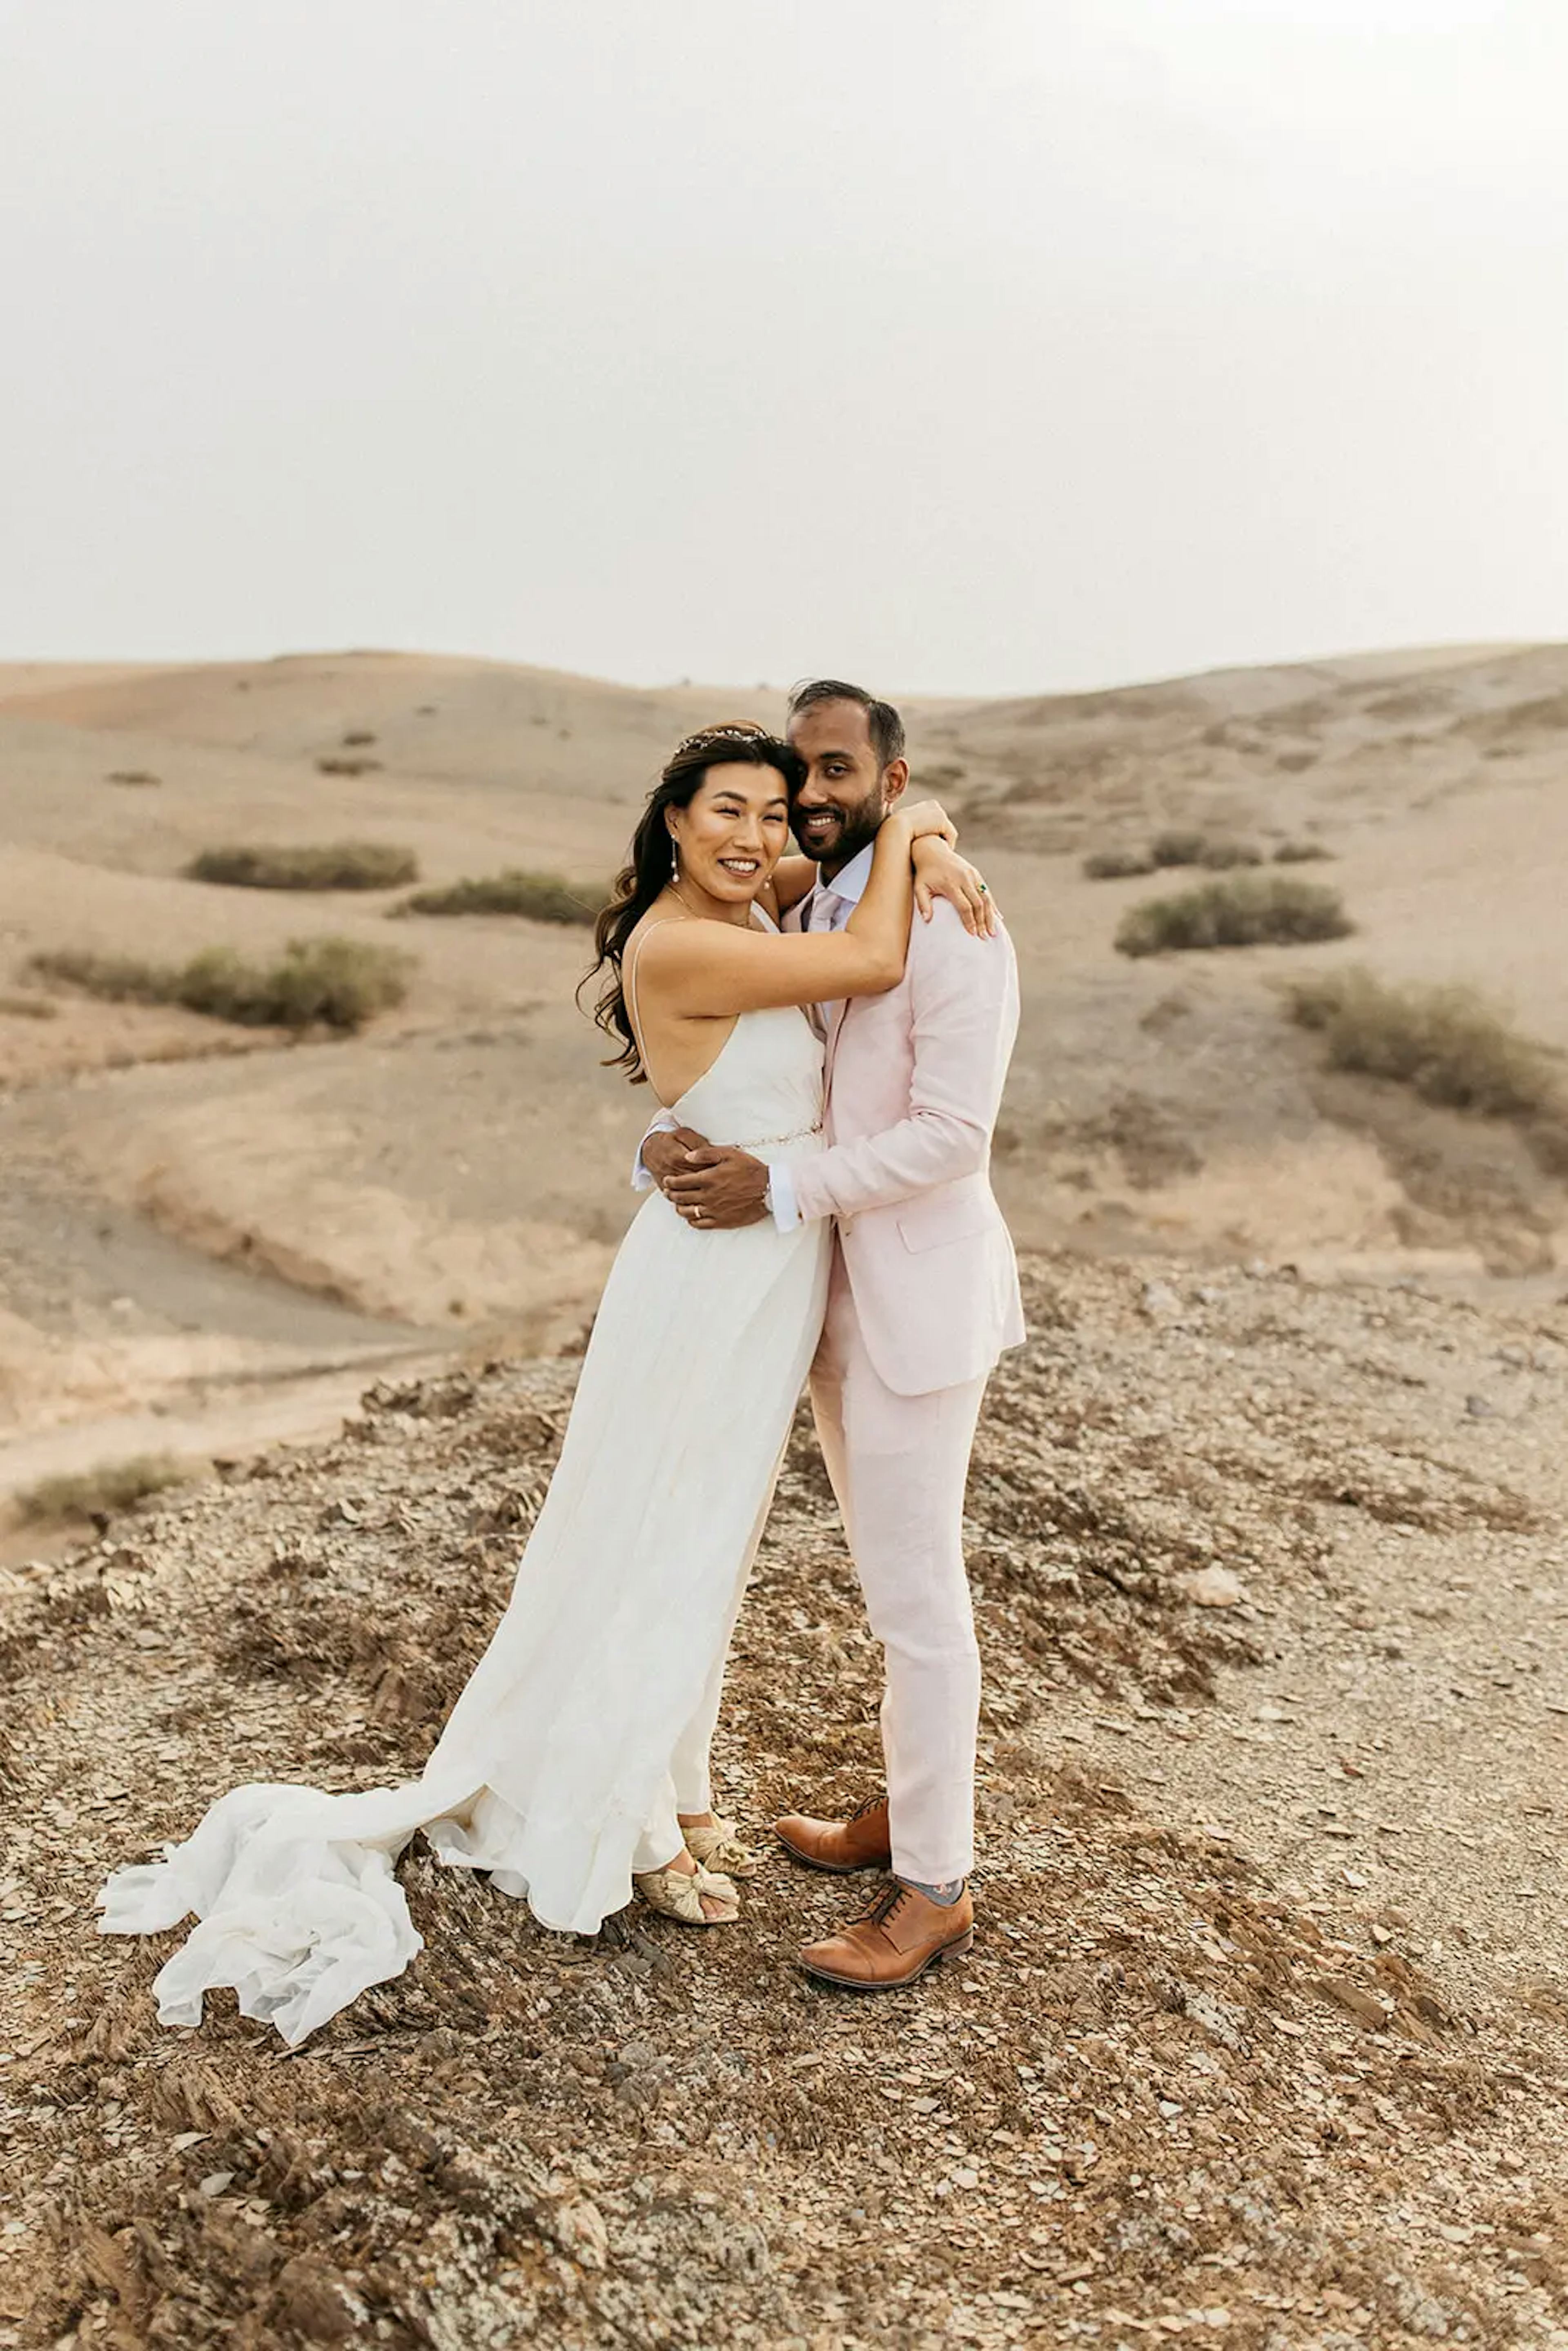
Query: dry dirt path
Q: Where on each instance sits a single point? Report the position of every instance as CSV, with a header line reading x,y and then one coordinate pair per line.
x,y
1264,2045
117,1339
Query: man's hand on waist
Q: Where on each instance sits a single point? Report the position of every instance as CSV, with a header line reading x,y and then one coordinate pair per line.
x,y
715,1189
669,1151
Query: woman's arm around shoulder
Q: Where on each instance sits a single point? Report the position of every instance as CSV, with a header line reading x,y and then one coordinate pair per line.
x,y
711,969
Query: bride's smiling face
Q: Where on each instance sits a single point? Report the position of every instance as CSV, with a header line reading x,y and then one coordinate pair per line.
x,y
733,831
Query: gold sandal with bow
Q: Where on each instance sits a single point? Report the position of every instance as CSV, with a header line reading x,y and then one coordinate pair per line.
x,y
717,1844
678,1894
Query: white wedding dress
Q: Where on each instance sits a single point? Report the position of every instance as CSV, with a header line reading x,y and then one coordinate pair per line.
x,y
585,1726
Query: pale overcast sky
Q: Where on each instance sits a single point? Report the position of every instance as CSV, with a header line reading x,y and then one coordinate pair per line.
x,y
989,345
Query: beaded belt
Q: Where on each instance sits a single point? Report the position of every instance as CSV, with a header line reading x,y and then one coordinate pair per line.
x,y
767,1142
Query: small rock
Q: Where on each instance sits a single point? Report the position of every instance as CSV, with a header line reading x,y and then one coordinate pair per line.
x,y
1365,2006
214,2183
317,2304
1480,1409
578,2229
1226,2022
1215,1587
1159,1298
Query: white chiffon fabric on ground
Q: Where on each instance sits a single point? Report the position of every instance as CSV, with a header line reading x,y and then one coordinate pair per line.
x,y
555,1762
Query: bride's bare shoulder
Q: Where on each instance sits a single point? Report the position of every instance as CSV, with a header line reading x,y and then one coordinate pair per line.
x,y
658,915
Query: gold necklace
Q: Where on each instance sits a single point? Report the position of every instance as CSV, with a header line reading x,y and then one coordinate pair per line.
x,y
692,915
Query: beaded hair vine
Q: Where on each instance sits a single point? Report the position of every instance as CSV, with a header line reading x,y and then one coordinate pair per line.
x,y
737,730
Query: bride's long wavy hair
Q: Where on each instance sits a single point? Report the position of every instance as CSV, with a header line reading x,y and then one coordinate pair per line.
x,y
650,863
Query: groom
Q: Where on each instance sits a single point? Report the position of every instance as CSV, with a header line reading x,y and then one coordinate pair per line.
x,y
922,1298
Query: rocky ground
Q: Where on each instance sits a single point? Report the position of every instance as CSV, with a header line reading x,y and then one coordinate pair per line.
x,y
1264,2041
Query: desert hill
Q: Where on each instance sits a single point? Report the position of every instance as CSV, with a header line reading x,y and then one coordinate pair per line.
x,y
456,1173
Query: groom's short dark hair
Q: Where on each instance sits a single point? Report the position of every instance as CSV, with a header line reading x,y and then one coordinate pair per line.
x,y
883,724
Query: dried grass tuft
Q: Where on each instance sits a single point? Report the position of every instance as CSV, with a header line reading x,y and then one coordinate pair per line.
x,y
1448,1044
331,982
113,1486
1243,911
332,865
1116,864
538,897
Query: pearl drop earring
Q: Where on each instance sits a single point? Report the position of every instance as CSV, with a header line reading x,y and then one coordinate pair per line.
x,y
675,858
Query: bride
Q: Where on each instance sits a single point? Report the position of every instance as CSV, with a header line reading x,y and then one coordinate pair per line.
x,y
575,1762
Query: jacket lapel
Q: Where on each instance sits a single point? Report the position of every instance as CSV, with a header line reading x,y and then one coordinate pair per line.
x,y
835,1029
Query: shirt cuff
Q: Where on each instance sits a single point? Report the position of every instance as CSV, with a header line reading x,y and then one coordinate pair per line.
x,y
786,1207
665,1124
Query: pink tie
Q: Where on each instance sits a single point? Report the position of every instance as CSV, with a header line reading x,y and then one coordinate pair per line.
x,y
822,914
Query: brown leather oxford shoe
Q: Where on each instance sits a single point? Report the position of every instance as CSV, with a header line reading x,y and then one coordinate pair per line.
x,y
860,1843
902,1935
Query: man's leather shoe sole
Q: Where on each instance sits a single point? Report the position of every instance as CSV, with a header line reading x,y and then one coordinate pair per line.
x,y
833,1868
952,1950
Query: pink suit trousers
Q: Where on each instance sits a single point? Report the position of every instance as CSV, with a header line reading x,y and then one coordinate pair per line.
x,y
923,1299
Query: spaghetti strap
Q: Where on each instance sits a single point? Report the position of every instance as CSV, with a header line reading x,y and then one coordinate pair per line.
x,y
629,986
633,960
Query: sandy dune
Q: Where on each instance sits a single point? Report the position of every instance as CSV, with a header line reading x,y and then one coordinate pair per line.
x,y
459,1172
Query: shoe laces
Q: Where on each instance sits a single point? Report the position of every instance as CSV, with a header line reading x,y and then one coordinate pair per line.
x,y
884,1906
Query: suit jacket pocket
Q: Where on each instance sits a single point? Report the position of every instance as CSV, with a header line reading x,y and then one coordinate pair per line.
x,y
931,1224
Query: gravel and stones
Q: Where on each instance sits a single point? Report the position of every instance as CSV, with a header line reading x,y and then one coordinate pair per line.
x,y
1264,2040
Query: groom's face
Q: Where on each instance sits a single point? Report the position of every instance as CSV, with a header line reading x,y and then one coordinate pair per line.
x,y
838,809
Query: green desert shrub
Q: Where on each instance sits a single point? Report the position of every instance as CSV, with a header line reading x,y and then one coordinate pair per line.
x,y
333,865
1186,846
1301,852
539,897
337,983
119,979
1178,845
113,1486
1447,1043
1220,854
1116,864
1242,911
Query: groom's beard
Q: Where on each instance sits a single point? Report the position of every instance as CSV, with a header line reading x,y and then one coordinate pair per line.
x,y
833,845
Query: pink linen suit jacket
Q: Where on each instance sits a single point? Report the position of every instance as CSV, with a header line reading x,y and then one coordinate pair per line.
x,y
914,1084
